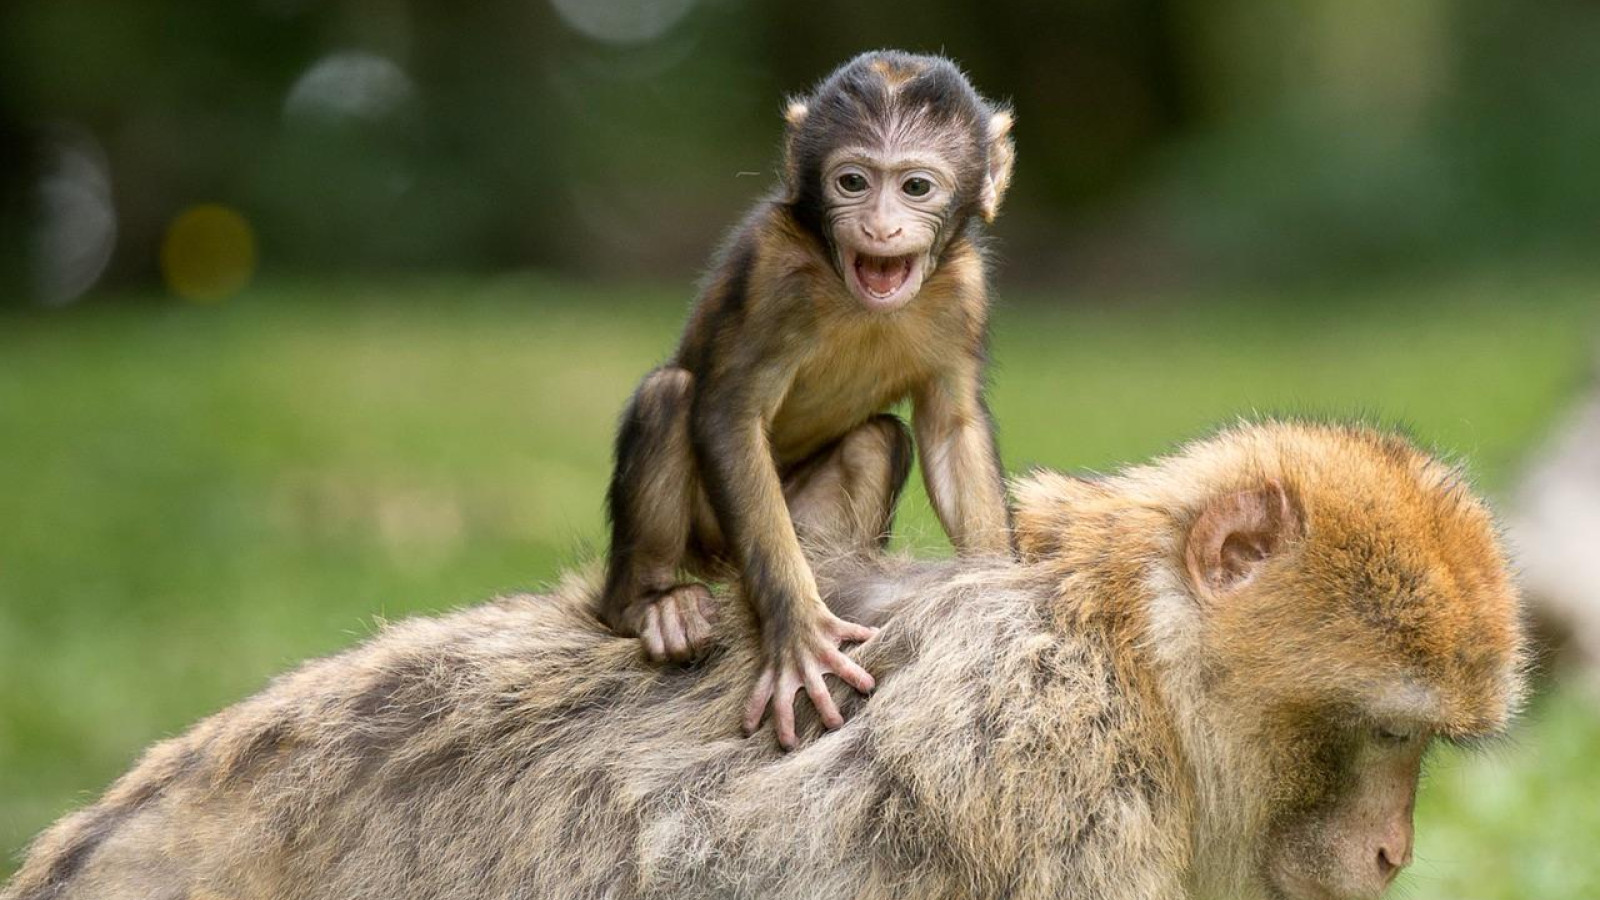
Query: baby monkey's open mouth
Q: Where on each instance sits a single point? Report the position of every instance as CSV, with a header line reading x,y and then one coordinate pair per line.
x,y
883,275
884,282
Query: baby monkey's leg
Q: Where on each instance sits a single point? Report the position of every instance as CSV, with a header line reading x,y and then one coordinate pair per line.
x,y
653,490
842,501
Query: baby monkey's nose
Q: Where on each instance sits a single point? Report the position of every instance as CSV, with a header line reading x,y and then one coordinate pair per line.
x,y
880,232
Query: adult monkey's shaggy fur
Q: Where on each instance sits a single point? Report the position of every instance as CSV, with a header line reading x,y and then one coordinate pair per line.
x,y
1210,676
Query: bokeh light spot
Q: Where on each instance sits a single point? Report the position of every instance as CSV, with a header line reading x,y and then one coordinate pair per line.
x,y
77,229
349,85
622,21
208,254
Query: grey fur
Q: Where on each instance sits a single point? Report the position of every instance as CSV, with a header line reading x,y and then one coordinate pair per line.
x,y
521,750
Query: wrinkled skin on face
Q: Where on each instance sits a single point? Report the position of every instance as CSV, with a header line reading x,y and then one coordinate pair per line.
x,y
888,161
885,214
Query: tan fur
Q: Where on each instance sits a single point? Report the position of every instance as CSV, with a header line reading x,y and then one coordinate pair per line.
x,y
895,74
1071,726
1395,602
788,351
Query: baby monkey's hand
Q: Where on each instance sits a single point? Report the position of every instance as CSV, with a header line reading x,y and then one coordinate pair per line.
x,y
808,652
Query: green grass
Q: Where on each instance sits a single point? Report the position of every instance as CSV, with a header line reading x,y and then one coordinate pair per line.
x,y
196,497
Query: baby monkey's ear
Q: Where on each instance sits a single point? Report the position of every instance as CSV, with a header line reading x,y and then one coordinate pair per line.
x,y
1002,155
794,116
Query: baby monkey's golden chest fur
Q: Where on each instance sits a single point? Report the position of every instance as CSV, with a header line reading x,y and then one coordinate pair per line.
x,y
862,364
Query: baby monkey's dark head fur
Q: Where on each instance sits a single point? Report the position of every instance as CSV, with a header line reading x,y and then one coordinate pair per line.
x,y
887,162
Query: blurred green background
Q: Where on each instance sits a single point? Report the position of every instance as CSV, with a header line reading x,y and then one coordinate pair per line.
x,y
318,313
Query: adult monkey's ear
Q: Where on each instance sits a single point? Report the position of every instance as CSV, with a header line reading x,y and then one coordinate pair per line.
x,y
1236,536
1002,155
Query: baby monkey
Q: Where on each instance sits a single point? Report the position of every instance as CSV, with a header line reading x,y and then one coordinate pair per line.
x,y
858,283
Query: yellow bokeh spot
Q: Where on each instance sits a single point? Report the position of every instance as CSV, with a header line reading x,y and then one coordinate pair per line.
x,y
208,253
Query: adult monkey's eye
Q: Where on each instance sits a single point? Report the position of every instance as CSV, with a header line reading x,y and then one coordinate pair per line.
x,y
917,187
1391,736
852,182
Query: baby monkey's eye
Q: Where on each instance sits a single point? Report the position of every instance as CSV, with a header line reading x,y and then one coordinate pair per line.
x,y
852,182
917,187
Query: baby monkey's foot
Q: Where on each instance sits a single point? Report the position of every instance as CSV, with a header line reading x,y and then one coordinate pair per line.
x,y
801,662
675,624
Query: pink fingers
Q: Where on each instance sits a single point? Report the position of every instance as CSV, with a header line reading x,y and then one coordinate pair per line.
x,y
756,707
822,699
848,670
671,618
783,710
651,633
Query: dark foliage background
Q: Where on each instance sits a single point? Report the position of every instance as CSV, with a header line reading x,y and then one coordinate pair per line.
x,y
1160,139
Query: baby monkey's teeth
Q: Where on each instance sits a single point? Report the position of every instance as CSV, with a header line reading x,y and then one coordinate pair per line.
x,y
883,275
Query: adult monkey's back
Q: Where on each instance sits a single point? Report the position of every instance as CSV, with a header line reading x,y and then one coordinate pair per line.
x,y
1214,676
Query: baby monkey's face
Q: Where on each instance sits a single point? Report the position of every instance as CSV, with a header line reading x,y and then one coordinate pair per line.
x,y
885,212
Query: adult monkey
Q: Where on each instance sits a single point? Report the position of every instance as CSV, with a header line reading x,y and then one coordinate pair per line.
x,y
1211,677
857,284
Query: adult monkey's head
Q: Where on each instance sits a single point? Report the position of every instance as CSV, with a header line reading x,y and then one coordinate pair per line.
x,y
1318,605
887,161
